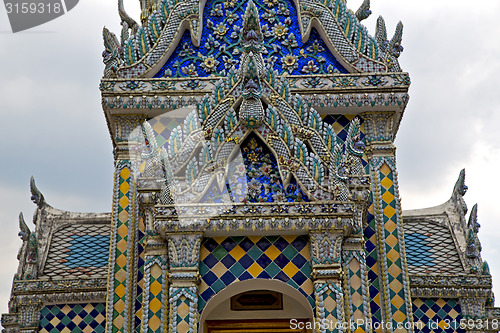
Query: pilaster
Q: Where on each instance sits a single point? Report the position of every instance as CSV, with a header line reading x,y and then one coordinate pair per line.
x,y
122,270
184,257
327,277
391,287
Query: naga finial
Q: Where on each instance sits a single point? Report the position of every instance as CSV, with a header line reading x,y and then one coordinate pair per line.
x,y
25,231
460,187
36,195
252,37
473,224
364,11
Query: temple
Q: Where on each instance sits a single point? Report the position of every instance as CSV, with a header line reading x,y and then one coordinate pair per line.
x,y
255,188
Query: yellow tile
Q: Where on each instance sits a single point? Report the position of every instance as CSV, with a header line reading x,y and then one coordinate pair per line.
x,y
272,252
100,318
357,299
156,271
119,306
154,323
120,290
219,269
308,287
255,269
359,330
122,230
121,275
65,330
441,302
391,240
290,270
399,316
255,239
124,202
155,305
118,322
385,169
429,313
182,327
390,226
396,286
443,325
289,238
393,255
237,253
330,304
125,173
203,253
376,299
389,211
306,252
418,302
121,245
155,288
124,187
183,308
386,183
123,216
219,239
77,320
121,261
387,197
397,302
66,309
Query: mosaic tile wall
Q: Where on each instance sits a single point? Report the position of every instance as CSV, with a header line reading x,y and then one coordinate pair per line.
x,y
392,251
66,318
79,251
227,260
437,315
340,124
220,49
373,267
430,248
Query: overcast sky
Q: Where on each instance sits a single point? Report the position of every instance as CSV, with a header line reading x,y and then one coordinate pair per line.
x,y
53,127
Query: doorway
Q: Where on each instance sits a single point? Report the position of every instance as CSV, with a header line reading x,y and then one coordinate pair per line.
x,y
255,326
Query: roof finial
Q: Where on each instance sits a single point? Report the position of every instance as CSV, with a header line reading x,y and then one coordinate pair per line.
x,y
364,11
36,195
251,33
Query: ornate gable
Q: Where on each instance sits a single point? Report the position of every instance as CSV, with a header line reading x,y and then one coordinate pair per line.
x,y
191,38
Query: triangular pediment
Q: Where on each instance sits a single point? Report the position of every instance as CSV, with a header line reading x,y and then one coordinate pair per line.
x,y
220,48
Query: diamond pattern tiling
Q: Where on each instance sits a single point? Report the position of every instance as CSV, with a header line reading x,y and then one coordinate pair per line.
x,y
66,318
373,266
155,298
340,124
163,126
392,251
430,248
439,315
121,237
79,250
140,275
226,260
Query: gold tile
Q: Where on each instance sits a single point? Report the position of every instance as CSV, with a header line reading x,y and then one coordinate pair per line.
x,y
386,183
393,255
385,169
124,187
120,290
154,323
237,253
156,271
125,173
219,269
124,201
397,302
155,288
290,269
118,321
121,260
155,305
255,269
391,240
272,252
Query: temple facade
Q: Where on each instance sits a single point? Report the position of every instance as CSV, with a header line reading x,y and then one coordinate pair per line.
x,y
255,188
